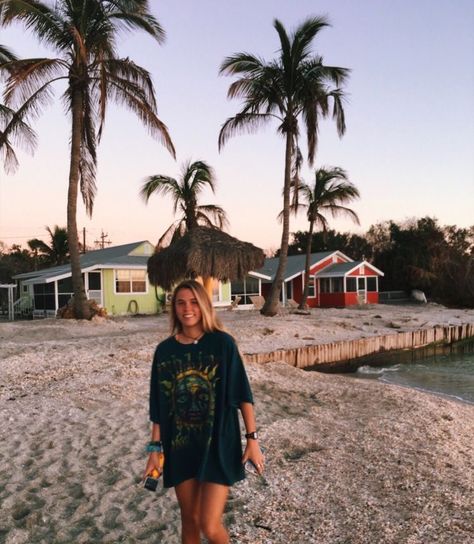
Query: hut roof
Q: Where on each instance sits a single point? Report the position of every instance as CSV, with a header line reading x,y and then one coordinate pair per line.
x,y
205,252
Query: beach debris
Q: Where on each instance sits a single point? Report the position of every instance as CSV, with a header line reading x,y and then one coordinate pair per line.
x,y
418,296
394,325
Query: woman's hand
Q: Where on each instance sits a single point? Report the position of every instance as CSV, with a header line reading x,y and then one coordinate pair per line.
x,y
254,454
156,460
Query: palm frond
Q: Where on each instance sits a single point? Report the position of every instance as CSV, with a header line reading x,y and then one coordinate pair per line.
x,y
241,63
170,234
215,216
6,54
36,16
159,184
198,174
242,123
128,94
27,76
304,36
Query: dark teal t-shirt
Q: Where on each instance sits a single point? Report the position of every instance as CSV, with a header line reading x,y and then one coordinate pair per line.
x,y
195,392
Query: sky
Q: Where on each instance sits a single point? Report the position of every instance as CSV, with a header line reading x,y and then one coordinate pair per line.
x,y
409,144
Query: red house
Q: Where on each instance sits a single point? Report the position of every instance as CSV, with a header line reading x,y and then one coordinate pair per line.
x,y
335,280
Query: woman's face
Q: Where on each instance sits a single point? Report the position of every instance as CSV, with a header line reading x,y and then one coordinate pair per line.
x,y
187,308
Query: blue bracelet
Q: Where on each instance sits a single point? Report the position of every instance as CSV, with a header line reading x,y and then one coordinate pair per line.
x,y
153,447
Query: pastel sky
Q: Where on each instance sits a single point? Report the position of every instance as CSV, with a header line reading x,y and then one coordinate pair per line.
x,y
410,121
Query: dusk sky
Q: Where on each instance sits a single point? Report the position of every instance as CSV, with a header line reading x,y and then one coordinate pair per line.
x,y
409,145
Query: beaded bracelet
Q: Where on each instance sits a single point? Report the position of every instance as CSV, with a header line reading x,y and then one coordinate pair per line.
x,y
154,447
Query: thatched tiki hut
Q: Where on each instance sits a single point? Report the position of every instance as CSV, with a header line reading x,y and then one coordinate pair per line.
x,y
203,252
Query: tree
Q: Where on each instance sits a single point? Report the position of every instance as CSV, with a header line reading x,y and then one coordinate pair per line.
x,y
195,176
353,245
330,191
84,34
14,130
57,252
295,86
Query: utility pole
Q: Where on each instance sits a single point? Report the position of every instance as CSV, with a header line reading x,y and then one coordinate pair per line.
x,y
83,239
102,242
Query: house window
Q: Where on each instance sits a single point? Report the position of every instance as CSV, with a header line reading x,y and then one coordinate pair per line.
x,y
311,287
351,285
44,296
246,288
337,285
325,285
94,281
130,281
65,291
372,283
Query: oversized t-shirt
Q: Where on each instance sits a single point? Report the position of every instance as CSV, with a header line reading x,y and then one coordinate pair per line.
x,y
194,395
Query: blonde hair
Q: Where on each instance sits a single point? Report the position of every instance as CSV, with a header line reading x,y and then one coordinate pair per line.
x,y
210,321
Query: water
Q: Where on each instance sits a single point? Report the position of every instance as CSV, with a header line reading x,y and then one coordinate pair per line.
x,y
445,370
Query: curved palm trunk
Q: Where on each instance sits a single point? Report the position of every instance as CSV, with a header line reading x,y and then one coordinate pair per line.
x,y
81,308
270,308
304,304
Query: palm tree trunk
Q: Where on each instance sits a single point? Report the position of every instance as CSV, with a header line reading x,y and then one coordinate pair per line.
x,y
270,308
303,304
81,309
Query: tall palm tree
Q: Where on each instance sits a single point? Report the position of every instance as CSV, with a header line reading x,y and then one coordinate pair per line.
x,y
57,252
14,129
195,176
295,86
84,34
330,191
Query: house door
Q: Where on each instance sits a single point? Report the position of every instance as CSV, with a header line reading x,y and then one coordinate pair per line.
x,y
94,287
361,291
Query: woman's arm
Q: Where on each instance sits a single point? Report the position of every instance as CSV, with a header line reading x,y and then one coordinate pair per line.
x,y
252,449
155,433
155,459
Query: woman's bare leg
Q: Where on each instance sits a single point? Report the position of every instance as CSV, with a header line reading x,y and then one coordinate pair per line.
x,y
189,494
212,503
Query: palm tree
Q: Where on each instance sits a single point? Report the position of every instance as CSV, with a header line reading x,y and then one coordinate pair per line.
x,y
84,34
331,190
14,130
57,252
294,86
195,176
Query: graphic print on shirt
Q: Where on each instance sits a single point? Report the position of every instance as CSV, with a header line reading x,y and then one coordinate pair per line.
x,y
190,388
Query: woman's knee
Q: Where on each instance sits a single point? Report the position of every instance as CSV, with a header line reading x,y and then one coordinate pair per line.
x,y
211,529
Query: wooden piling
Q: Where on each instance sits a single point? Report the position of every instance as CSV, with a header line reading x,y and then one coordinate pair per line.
x,y
346,350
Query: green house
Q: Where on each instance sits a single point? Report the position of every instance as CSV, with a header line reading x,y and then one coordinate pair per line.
x,y
115,277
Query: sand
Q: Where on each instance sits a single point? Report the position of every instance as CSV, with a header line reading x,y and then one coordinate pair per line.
x,y
348,461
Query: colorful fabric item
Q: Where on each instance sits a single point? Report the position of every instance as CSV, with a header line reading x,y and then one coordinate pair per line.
x,y
194,395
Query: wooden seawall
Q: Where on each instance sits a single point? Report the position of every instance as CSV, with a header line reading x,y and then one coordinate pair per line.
x,y
346,350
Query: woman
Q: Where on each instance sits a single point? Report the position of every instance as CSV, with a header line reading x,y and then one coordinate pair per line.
x,y
198,382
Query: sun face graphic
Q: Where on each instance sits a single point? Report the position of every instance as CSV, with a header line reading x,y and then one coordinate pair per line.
x,y
191,393
192,397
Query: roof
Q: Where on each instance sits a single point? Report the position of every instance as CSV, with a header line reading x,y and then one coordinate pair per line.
x,y
295,265
134,255
342,269
206,252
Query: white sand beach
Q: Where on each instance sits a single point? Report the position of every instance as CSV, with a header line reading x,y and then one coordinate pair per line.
x,y
347,461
